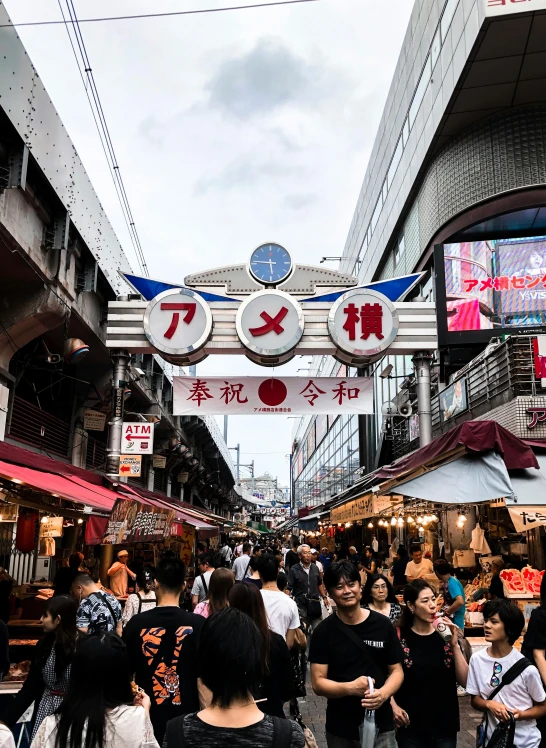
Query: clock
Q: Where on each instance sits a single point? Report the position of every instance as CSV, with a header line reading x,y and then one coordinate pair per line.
x,y
270,263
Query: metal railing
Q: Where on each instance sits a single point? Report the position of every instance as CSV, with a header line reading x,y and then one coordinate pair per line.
x,y
31,425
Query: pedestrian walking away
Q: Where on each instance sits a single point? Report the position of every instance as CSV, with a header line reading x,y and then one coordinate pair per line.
x,y
426,708
241,565
232,644
349,652
282,611
162,649
200,589
48,678
98,610
498,690
100,709
143,599
221,582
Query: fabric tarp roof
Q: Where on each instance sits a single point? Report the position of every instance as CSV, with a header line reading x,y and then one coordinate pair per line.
x,y
529,485
469,479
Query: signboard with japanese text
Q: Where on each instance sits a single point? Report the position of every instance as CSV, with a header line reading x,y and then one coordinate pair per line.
x,y
130,465
489,288
137,438
272,395
133,522
370,505
52,527
269,323
159,461
363,323
178,322
506,7
527,517
93,420
9,512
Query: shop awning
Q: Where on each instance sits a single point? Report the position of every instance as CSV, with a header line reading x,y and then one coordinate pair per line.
x,y
311,521
468,479
66,487
529,485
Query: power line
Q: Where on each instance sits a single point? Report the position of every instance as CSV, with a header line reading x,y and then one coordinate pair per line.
x,y
163,15
93,98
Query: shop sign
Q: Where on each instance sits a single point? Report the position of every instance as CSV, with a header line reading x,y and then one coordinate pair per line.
x,y
506,7
363,323
178,322
272,395
94,420
9,512
118,402
186,535
269,323
134,522
353,510
382,504
182,477
130,465
137,438
159,461
52,527
527,517
538,415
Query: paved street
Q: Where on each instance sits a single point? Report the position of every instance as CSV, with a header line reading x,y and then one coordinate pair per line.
x,y
314,713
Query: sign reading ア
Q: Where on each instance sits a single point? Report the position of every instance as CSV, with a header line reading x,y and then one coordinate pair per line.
x,y
131,521
278,396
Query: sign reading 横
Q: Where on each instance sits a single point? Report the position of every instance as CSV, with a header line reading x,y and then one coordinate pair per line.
x,y
505,7
272,395
137,438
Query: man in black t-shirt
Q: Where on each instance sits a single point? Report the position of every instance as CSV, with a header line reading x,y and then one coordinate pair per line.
x,y
292,558
346,650
162,647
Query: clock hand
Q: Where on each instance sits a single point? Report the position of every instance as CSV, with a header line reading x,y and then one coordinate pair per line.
x,y
263,262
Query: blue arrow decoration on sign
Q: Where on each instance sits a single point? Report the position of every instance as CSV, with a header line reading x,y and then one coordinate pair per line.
x,y
395,289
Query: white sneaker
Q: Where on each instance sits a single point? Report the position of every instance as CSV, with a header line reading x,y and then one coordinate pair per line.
x,y
461,691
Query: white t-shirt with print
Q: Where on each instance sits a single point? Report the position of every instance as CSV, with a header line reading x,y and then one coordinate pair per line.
x,y
521,694
282,612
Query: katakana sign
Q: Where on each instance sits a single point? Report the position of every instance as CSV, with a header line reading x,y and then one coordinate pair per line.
x,y
527,517
272,395
269,323
506,7
178,322
363,323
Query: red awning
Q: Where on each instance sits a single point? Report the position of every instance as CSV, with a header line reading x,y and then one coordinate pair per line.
x,y
71,488
475,436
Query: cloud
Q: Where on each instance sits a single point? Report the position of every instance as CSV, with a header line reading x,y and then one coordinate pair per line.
x,y
247,171
152,130
265,79
299,201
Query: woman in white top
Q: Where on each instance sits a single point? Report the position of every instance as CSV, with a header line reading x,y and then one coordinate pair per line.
x,y
143,599
99,710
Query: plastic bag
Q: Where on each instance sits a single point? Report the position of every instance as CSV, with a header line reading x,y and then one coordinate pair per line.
x,y
367,728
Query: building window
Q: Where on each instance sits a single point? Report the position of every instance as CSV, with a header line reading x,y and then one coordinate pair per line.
x,y
399,250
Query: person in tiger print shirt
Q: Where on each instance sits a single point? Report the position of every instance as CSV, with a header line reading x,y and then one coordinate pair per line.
x,y
162,645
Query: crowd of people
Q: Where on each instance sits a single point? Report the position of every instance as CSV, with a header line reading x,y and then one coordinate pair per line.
x,y
233,671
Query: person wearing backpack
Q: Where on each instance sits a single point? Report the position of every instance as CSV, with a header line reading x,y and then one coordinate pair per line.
x,y
502,682
200,589
99,610
144,598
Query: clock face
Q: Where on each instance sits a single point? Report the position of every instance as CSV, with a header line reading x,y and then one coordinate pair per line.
x,y
270,263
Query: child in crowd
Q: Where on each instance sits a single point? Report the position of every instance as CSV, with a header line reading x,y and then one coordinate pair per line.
x,y
524,697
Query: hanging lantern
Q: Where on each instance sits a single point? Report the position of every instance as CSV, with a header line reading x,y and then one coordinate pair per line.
x,y
27,532
370,525
75,350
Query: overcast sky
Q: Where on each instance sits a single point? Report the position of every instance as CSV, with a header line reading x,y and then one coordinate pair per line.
x,y
231,129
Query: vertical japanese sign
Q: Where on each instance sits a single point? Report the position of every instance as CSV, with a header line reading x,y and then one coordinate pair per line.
x,y
274,396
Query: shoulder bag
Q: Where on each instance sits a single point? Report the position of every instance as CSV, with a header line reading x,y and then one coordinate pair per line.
x,y
140,601
282,733
503,735
374,670
205,585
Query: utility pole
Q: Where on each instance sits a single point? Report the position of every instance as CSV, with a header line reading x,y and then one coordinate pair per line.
x,y
238,449
252,472
225,428
120,360
421,362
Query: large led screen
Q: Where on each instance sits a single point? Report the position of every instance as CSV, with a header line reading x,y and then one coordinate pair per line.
x,y
491,287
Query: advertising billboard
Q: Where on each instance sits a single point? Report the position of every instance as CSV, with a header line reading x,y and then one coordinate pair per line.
x,y
489,288
453,400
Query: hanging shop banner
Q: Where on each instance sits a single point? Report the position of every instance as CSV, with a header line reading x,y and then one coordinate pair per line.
x,y
137,438
185,536
361,508
527,517
159,461
94,420
130,465
276,396
9,512
52,527
133,522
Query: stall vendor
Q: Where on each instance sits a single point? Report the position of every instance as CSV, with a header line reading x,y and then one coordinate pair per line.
x,y
119,573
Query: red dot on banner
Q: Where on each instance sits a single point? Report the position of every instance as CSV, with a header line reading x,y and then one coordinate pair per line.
x,y
272,392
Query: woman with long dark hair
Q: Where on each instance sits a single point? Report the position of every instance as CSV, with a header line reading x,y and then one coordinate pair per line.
x,y
231,658
277,681
378,594
426,708
220,584
47,681
534,645
143,598
99,710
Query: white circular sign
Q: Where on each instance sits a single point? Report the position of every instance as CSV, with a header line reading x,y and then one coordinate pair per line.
x,y
269,323
363,323
178,322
